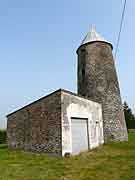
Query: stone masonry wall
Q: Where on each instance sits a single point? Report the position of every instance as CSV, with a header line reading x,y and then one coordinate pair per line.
x,y
97,80
37,127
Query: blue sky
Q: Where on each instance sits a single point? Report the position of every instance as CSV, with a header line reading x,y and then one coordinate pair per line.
x,y
38,42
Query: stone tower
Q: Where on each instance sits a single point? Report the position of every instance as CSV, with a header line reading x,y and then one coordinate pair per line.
x,y
97,80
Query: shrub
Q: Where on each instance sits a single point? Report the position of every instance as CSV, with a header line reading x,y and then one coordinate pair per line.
x,y
3,136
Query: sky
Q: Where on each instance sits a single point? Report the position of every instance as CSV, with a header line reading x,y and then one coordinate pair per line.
x,y
38,42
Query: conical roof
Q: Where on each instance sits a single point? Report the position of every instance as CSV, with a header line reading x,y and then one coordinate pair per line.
x,y
93,36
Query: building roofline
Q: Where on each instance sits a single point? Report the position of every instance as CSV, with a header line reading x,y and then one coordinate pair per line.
x,y
78,95
33,102
59,90
92,43
94,36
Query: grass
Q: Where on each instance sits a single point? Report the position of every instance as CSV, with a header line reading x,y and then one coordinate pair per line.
x,y
114,161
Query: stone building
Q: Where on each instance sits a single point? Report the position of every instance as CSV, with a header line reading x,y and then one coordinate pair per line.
x,y
67,123
60,123
97,80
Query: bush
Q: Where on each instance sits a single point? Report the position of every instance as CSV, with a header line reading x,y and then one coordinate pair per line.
x,y
3,136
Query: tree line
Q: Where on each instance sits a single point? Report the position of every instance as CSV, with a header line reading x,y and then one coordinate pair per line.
x,y
3,136
129,116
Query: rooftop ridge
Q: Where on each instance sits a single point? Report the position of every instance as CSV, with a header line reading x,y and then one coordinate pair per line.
x,y
93,36
46,96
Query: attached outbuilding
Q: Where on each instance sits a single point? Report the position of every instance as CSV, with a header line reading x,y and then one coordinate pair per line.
x,y
61,123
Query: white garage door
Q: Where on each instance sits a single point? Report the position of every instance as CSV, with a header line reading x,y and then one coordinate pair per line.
x,y
79,135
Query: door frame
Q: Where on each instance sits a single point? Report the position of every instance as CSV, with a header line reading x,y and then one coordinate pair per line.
x,y
87,122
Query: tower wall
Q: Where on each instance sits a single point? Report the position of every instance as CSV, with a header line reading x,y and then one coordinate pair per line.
x,y
97,80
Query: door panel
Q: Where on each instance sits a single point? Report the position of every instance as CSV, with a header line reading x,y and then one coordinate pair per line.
x,y
79,135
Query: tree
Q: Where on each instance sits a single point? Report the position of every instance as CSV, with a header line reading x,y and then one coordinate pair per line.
x,y
129,116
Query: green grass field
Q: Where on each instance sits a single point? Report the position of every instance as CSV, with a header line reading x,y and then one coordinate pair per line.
x,y
114,161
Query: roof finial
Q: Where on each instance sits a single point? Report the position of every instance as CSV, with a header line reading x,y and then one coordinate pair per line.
x,y
93,28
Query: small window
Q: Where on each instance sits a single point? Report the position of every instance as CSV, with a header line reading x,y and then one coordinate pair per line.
x,y
83,51
83,74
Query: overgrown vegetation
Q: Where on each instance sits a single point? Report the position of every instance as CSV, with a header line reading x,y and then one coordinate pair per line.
x,y
114,161
129,116
3,136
